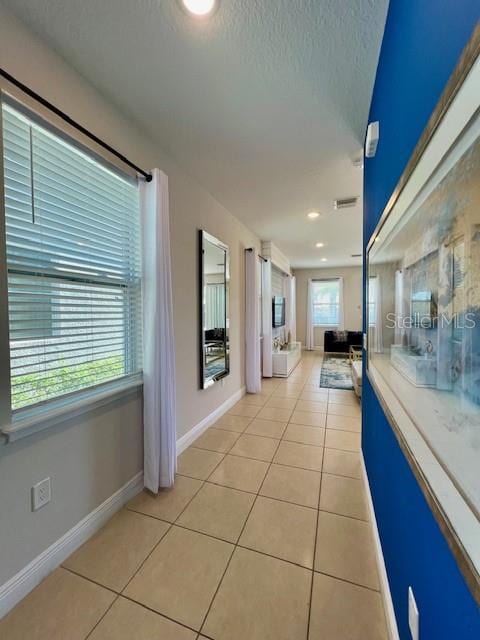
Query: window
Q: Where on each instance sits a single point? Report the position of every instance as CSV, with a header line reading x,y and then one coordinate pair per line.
x,y
73,262
214,306
326,302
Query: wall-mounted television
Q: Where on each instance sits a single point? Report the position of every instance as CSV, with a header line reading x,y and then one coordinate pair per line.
x,y
278,312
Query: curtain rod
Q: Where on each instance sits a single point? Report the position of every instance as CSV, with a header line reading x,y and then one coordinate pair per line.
x,y
73,123
326,279
259,255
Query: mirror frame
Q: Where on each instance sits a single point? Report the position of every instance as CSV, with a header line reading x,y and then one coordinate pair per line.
x,y
203,237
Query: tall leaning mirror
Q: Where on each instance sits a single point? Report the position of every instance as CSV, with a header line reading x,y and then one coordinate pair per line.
x,y
213,325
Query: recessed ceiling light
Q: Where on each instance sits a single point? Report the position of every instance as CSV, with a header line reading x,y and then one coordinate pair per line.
x,y
201,8
319,245
312,215
323,260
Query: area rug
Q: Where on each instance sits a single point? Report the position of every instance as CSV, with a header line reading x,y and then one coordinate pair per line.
x,y
213,368
335,372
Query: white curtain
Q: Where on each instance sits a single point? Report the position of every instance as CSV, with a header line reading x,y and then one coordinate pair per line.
x,y
378,329
310,335
341,306
291,314
398,305
214,306
288,303
252,329
159,417
267,318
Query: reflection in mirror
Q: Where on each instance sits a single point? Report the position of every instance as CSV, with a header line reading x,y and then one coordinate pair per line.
x,y
214,287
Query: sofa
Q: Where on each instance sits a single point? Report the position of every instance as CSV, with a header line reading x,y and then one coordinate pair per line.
x,y
341,341
356,370
215,335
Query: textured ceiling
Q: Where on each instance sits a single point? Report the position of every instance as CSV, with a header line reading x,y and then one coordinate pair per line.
x,y
265,103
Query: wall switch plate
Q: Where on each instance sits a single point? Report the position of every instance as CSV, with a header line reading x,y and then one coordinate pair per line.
x,y
41,494
413,617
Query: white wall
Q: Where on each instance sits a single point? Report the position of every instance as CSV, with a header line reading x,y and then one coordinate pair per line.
x,y
352,294
90,458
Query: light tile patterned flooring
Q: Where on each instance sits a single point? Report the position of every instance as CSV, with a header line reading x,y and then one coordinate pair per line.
x,y
265,536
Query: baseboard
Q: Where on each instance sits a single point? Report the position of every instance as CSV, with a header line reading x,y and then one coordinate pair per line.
x,y
196,431
30,576
384,585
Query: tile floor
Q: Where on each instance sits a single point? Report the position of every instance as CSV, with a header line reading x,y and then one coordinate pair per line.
x,y
265,536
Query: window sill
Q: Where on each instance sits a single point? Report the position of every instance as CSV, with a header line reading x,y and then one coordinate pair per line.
x,y
31,420
325,326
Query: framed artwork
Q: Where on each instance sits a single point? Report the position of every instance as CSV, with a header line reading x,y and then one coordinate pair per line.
x,y
423,327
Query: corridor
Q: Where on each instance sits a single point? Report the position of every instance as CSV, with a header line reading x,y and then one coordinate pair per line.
x,y
265,536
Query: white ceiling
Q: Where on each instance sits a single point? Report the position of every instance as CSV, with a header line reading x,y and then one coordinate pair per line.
x,y
213,258
265,103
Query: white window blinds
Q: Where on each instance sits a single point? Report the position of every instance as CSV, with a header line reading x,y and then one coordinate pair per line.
x,y
326,302
73,260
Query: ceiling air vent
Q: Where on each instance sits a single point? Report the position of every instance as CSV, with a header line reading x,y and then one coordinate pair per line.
x,y
345,203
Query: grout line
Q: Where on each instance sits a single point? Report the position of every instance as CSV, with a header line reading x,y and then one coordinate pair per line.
x,y
234,545
270,555
99,584
235,433
203,533
120,594
170,525
357,451
284,464
163,536
342,515
270,497
335,513
225,486
149,515
310,426
355,584
340,475
162,615
316,536
226,567
102,617
337,475
307,444
238,540
237,544
343,430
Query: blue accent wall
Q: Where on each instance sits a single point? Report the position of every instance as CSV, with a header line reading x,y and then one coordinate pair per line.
x,y
422,43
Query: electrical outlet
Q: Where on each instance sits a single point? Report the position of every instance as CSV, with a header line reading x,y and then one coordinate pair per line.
x,y
41,494
413,617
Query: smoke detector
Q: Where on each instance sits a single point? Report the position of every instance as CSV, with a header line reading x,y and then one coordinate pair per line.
x,y
345,203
